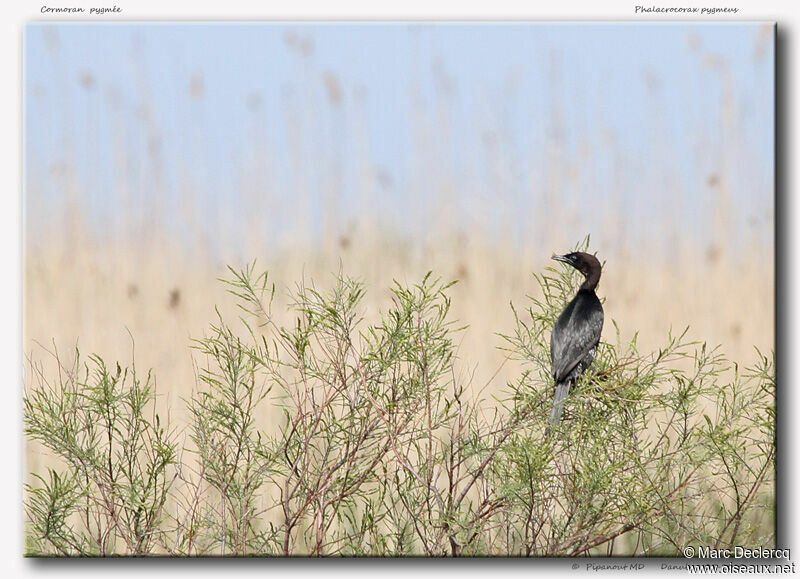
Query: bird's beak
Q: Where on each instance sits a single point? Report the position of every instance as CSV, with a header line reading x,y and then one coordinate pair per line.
x,y
562,258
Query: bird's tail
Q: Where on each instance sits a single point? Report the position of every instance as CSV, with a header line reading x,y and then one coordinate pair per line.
x,y
562,389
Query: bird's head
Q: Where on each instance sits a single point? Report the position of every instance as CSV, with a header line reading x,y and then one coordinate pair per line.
x,y
585,263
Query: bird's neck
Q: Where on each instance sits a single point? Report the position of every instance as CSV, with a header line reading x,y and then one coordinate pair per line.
x,y
591,281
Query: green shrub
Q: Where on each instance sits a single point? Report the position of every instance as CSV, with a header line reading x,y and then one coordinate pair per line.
x,y
119,462
379,449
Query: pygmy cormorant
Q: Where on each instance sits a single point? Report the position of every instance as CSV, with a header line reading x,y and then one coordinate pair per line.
x,y
576,332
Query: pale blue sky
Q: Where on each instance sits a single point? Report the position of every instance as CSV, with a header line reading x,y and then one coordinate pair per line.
x,y
473,105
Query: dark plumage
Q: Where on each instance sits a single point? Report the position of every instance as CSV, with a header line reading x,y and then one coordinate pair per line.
x,y
576,332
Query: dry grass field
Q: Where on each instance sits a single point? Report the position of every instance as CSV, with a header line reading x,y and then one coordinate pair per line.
x,y
152,300
148,304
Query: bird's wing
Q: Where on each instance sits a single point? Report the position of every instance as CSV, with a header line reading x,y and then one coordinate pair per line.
x,y
576,332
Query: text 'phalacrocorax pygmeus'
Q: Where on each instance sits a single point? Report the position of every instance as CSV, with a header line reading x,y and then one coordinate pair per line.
x,y
576,332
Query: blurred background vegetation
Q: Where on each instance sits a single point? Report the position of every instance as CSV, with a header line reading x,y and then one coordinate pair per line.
x,y
155,154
